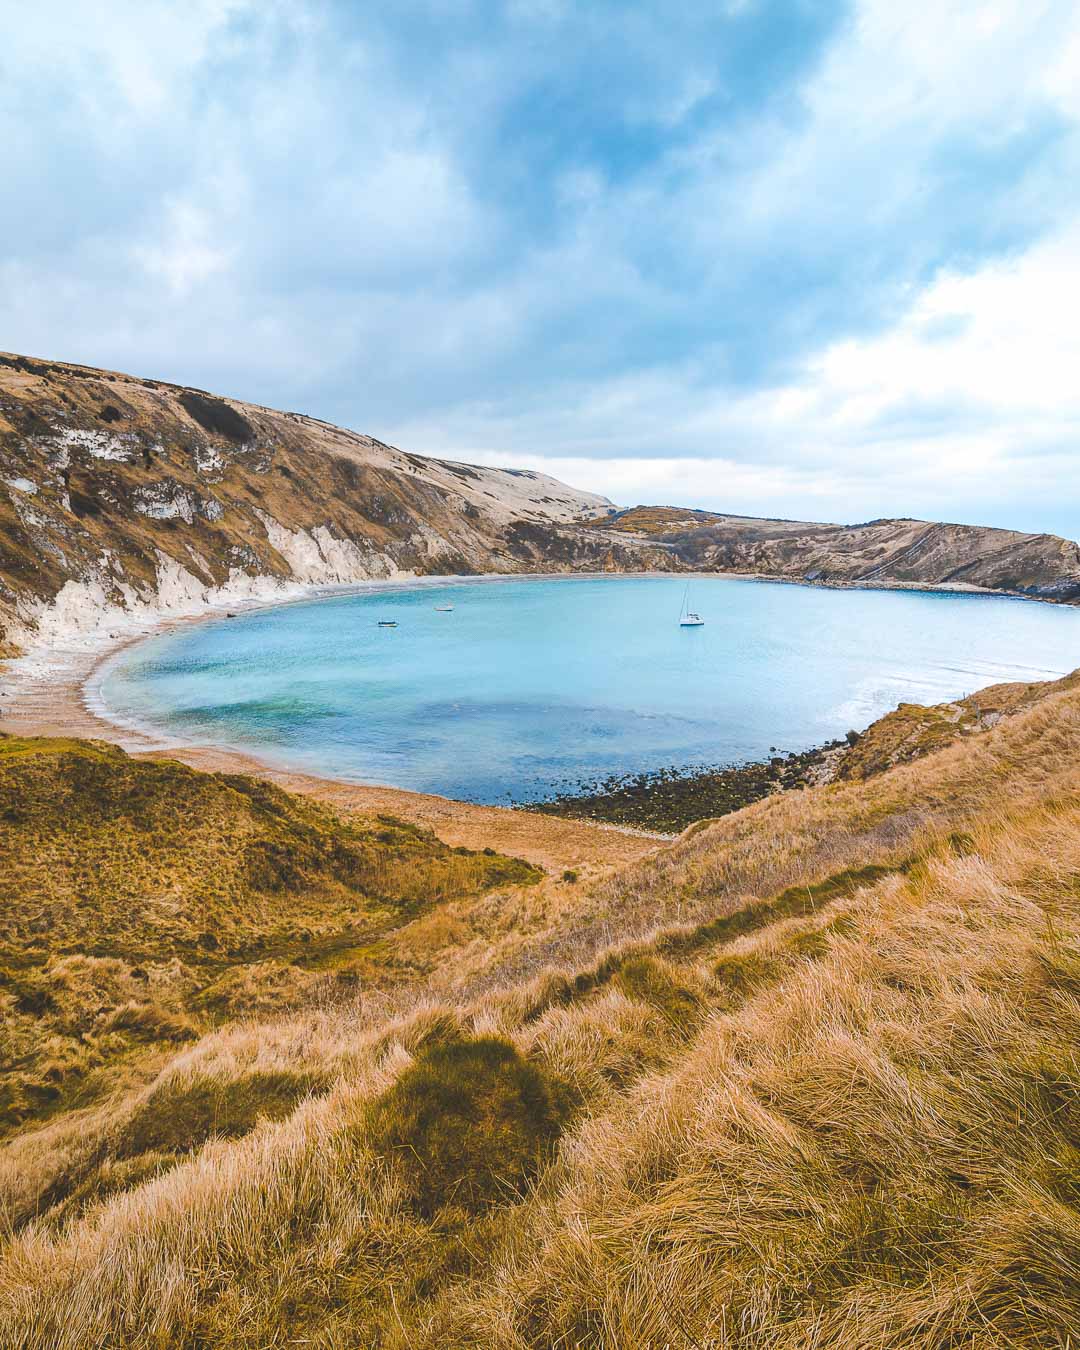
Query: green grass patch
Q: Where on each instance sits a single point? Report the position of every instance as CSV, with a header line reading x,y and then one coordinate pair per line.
x,y
653,982
794,902
183,1113
468,1125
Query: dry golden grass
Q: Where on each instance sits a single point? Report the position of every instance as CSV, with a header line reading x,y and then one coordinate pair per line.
x,y
143,902
881,1147
809,1079
912,731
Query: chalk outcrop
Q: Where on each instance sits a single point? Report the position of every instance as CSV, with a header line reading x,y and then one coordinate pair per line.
x,y
123,498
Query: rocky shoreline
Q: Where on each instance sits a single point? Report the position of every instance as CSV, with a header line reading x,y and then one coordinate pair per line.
x,y
670,799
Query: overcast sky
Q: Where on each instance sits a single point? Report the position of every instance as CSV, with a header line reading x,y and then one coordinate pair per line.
x,y
770,256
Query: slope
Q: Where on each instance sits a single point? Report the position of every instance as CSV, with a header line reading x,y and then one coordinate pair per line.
x,y
118,493
876,553
806,1078
143,901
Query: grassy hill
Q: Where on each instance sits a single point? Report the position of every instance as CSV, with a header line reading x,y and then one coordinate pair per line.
x,y
808,1077
143,901
118,492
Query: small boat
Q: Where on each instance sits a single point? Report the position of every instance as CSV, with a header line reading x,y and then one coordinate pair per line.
x,y
689,618
388,623
444,609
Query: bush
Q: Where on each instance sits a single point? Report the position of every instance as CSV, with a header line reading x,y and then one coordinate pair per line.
x,y
468,1124
216,416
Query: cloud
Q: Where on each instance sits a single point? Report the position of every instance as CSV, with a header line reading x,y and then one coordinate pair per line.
x,y
787,255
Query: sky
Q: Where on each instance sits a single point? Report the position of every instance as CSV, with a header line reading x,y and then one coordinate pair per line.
x,y
788,257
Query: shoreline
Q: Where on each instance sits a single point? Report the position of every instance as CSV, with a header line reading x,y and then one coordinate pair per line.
x,y
51,691
674,798
48,692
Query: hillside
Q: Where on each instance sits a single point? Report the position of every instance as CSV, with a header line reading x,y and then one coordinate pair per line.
x,y
879,552
807,1077
118,493
670,800
143,901
121,495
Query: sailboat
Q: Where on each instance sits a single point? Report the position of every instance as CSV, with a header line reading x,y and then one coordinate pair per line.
x,y
689,618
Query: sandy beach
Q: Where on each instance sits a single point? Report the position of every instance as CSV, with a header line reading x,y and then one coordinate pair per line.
x,y
44,694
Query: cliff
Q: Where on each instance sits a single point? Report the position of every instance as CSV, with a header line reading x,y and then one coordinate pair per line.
x,y
121,496
124,494
876,553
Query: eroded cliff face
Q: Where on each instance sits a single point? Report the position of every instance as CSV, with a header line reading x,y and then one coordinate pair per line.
x,y
124,497
121,495
875,553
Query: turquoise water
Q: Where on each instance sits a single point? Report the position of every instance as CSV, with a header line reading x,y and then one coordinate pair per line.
x,y
531,686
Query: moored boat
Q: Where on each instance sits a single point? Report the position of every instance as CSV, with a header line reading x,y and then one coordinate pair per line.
x,y
689,618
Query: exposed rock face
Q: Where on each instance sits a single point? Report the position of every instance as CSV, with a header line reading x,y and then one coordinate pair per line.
x,y
126,496
879,552
120,494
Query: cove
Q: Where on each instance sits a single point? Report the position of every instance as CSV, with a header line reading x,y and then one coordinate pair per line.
x,y
532,686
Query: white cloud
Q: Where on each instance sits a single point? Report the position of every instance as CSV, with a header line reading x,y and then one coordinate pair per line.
x,y
184,253
971,401
851,295
132,53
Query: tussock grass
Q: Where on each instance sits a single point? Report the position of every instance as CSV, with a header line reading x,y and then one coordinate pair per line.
x,y
880,1147
148,860
179,1115
144,901
469,1123
877,1143
825,1093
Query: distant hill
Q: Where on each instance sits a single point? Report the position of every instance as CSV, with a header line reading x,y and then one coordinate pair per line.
x,y
122,494
874,553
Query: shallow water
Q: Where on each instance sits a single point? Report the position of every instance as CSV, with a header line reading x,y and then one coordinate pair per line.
x,y
532,686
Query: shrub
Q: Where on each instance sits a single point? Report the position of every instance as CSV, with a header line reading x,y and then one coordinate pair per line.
x,y
216,416
468,1124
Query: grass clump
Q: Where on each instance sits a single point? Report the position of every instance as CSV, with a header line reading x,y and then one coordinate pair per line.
x,y
469,1124
662,987
183,1113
